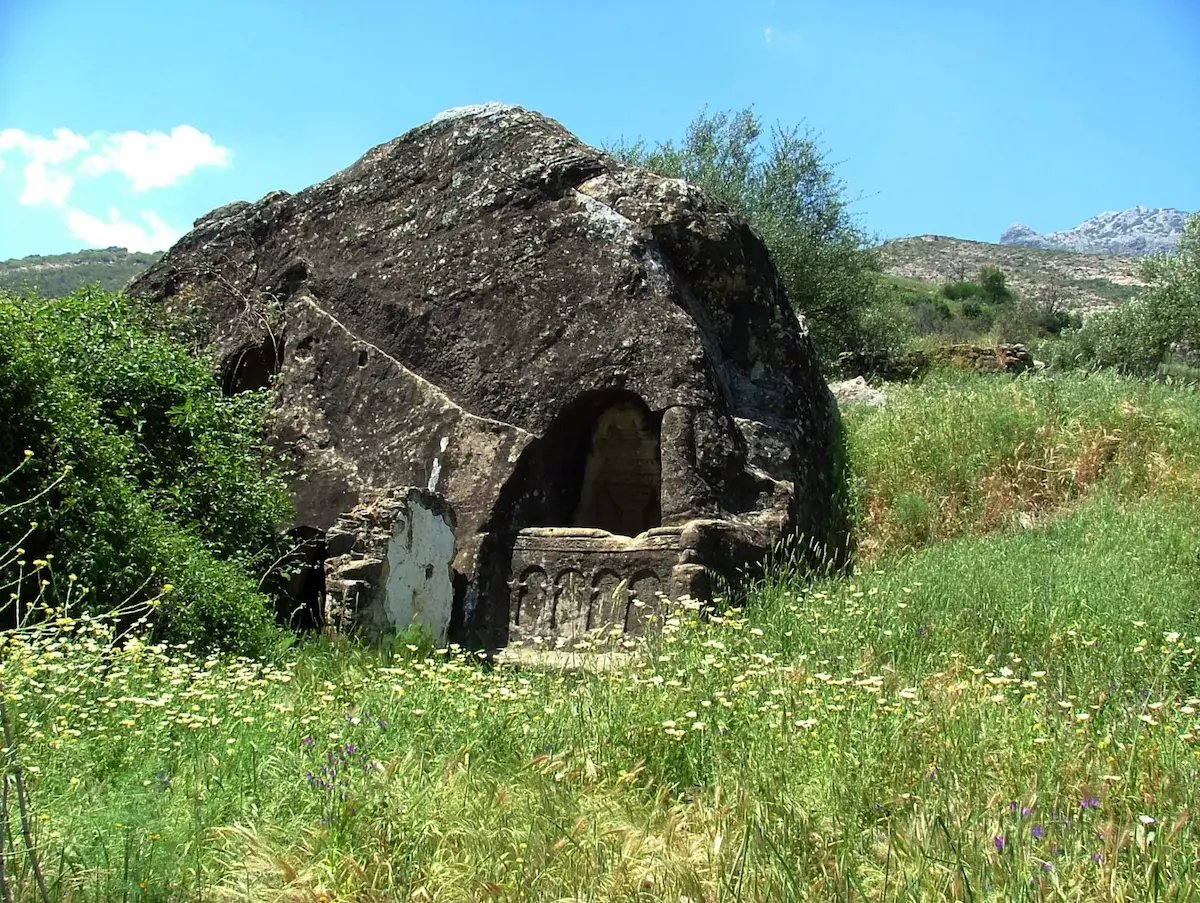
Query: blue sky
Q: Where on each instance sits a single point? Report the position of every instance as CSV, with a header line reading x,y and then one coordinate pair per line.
x,y
123,121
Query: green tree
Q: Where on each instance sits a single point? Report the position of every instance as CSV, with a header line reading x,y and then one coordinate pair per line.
x,y
136,470
1137,337
994,284
787,190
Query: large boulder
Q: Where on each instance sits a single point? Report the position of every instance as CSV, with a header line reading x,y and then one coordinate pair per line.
x,y
563,347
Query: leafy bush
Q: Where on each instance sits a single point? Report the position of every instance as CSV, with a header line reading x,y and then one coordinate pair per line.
x,y
931,317
1139,337
141,473
994,284
960,291
789,194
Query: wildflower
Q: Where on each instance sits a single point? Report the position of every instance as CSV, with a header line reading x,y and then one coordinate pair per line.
x,y
1096,857
1089,802
999,844
307,741
1037,831
1146,819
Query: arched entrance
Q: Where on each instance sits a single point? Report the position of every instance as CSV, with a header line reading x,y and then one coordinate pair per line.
x,y
622,473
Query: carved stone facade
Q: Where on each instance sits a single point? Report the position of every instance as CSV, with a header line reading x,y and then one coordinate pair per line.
x,y
569,583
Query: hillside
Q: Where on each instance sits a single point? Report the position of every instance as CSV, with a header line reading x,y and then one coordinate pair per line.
x,y
54,275
1082,283
1135,232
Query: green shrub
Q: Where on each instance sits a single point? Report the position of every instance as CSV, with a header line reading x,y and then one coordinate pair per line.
x,y
994,285
1139,336
156,477
960,291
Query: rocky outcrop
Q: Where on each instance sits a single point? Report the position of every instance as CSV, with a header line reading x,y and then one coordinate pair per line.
x,y
857,391
488,308
1129,233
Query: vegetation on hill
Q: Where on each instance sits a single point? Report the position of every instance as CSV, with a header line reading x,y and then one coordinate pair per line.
x,y
1140,336
128,471
1076,283
56,275
786,189
1009,715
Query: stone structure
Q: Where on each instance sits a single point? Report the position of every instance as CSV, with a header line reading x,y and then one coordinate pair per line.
x,y
598,368
388,566
890,367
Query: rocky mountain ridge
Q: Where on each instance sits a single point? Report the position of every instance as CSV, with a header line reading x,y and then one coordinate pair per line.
x,y
1135,232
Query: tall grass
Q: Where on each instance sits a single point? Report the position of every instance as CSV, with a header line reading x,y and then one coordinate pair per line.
x,y
963,453
1010,716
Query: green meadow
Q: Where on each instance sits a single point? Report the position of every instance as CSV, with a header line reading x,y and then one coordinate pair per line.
x,y
998,703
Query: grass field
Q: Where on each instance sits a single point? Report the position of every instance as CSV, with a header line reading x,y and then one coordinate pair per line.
x,y
1000,704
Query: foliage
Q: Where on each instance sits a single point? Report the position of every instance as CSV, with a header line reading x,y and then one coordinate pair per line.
x,y
56,275
1139,337
960,291
141,472
900,736
994,284
964,453
786,189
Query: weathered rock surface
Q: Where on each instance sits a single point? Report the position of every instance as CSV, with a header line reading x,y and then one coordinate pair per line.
x,y
489,308
388,566
857,391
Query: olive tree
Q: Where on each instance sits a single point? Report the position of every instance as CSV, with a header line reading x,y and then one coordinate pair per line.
x,y
784,186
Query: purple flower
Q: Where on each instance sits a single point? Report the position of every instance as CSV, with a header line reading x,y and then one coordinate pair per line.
x,y
1089,802
351,749
1096,857
1012,807
1047,866
998,842
1037,831
1025,810
307,741
383,724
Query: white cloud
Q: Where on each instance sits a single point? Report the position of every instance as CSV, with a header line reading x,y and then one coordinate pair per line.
x,y
43,184
147,159
767,34
156,235
154,159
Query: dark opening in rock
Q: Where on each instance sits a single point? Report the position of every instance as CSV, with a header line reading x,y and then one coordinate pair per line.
x,y
252,367
622,475
299,581
597,465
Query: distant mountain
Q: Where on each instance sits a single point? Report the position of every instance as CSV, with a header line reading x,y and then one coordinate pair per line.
x,y
1131,233
1081,283
54,275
